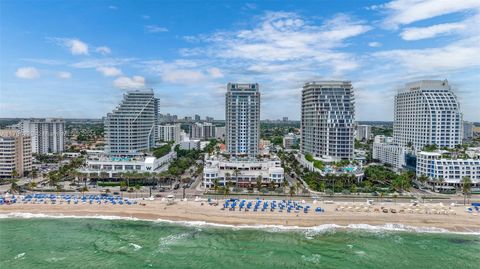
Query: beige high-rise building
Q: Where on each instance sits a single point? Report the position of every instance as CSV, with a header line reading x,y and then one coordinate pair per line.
x,y
15,153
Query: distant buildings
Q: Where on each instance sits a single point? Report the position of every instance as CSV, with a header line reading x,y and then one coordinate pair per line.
x,y
290,141
242,114
242,173
131,127
197,117
427,112
169,132
202,131
443,169
209,119
363,132
327,124
285,119
15,153
467,129
47,135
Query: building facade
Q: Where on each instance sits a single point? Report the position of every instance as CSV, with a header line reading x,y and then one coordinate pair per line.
x,y
15,153
242,174
327,123
132,126
427,112
290,141
169,133
242,119
220,133
442,169
47,135
467,129
203,131
391,154
363,132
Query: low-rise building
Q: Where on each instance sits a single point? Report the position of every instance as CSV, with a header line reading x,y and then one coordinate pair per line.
x,y
242,173
15,153
444,170
98,162
190,144
290,141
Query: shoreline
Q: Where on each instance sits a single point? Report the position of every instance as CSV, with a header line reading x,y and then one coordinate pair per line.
x,y
194,213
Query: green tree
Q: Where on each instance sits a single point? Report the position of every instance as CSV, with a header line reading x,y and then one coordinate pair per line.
x,y
466,187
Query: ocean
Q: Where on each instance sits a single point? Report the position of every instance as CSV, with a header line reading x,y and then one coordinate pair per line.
x,y
120,243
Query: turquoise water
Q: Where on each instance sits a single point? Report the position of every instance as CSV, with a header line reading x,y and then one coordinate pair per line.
x,y
96,243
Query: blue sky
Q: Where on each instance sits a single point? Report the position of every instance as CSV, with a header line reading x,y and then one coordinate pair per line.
x,y
74,59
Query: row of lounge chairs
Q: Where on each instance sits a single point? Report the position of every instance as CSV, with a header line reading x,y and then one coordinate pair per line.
x,y
40,198
272,206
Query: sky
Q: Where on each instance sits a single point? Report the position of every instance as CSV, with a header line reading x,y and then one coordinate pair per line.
x,y
75,59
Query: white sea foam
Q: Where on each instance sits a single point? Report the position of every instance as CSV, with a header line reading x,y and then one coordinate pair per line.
x,y
20,256
312,230
135,246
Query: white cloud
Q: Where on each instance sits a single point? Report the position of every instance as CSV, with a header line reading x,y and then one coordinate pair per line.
x,y
126,83
27,73
404,12
42,61
453,57
76,46
64,75
109,71
112,7
94,63
374,44
103,50
155,29
145,17
215,72
417,33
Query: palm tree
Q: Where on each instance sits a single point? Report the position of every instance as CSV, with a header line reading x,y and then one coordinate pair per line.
x,y
14,186
227,179
137,188
292,191
466,187
14,174
215,185
259,182
236,172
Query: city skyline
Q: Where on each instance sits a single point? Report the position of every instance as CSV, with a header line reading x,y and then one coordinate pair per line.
x,y
75,68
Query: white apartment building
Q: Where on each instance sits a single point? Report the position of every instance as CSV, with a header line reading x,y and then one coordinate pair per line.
x,y
15,153
242,173
202,131
169,132
439,167
363,132
389,153
327,124
242,114
427,112
132,126
47,135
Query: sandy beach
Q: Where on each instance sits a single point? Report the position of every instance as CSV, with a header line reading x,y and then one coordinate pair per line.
x,y
457,220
